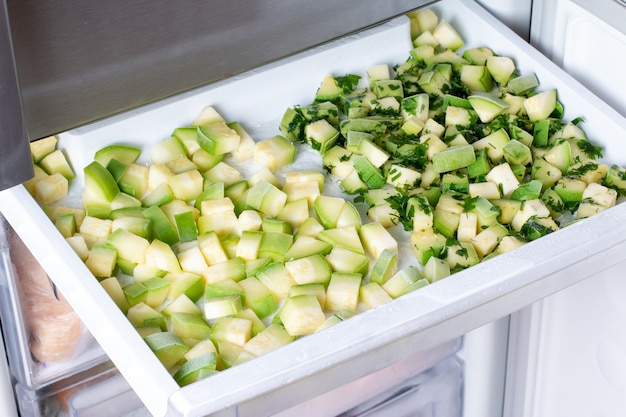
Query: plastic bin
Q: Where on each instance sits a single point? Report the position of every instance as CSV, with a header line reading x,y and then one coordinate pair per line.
x,y
46,340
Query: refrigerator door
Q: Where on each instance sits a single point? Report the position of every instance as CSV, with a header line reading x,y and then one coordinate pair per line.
x,y
588,40
568,352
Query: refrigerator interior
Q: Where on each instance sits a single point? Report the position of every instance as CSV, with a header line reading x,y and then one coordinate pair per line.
x,y
568,351
545,318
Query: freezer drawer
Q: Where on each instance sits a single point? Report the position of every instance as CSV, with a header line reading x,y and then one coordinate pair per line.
x,y
369,341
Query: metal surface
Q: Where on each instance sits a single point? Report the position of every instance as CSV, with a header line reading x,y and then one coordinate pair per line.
x,y
80,61
15,159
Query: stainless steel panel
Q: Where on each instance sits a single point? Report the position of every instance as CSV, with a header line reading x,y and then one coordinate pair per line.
x,y
15,160
81,60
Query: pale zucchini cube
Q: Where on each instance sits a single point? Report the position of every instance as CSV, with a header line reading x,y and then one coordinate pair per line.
x,y
508,243
38,174
468,226
182,304
494,143
373,295
186,186
264,174
167,150
343,291
217,138
207,115
295,212
223,223
404,281
78,244
308,191
56,161
530,208
188,283
435,144
378,72
328,209
600,194
344,260
128,245
93,226
486,189
42,147
223,172
51,189
277,278
258,297
337,161
274,153
447,36
488,239
412,125
160,255
224,306
349,217
112,287
477,78
384,214
426,243
315,288
143,272
192,260
266,198
233,269
157,290
158,174
503,177
134,180
211,247
302,315
462,255
101,260
269,339
275,245
245,150
501,68
249,220
376,238
436,269
541,105
309,269
321,135
305,245
425,38
588,209
248,245
385,267
233,330
204,160
180,164
345,237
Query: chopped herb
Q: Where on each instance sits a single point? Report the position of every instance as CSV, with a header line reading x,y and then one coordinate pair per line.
x,y
591,150
348,82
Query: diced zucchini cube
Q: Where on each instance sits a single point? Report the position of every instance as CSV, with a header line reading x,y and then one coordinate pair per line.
x,y
404,281
258,297
277,278
302,314
309,269
275,152
267,340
